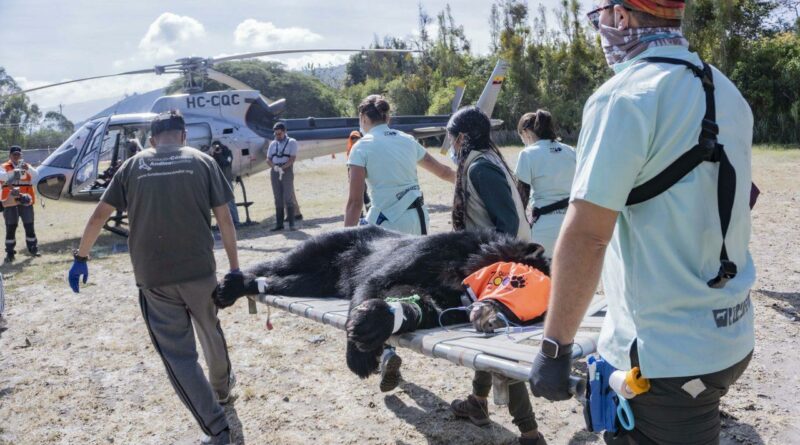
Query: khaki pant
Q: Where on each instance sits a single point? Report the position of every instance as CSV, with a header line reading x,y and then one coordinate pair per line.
x,y
173,313
283,193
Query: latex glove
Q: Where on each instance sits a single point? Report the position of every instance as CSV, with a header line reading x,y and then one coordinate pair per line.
x,y
78,268
550,376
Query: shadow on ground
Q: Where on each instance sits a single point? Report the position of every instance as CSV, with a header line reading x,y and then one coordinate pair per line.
x,y
432,414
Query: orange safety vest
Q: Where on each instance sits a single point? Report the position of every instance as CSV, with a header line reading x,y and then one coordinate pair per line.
x,y
523,289
25,185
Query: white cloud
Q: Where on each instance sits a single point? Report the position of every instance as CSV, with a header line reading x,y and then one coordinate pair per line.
x,y
264,35
168,30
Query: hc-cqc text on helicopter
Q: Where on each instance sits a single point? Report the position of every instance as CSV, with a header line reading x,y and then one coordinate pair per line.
x,y
241,118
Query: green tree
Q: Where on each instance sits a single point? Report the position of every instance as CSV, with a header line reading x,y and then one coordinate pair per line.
x,y
305,95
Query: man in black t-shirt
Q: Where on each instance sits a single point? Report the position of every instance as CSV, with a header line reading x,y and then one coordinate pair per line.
x,y
169,192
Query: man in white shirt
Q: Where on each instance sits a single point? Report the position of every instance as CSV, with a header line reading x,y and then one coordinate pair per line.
x,y
281,154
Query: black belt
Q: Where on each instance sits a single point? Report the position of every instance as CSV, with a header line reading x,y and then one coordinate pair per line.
x,y
418,204
558,205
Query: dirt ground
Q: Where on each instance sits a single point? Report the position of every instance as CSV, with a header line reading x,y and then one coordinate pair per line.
x,y
81,369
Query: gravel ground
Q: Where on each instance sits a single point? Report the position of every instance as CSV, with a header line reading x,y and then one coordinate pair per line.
x,y
80,368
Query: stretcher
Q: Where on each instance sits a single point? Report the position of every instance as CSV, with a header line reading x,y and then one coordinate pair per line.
x,y
508,356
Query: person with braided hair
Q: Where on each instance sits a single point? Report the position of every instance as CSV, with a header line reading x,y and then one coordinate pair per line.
x,y
486,197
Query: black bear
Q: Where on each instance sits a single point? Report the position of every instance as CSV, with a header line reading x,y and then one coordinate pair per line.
x,y
369,264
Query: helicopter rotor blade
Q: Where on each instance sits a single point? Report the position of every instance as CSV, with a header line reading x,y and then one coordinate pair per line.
x,y
144,71
298,51
231,82
223,78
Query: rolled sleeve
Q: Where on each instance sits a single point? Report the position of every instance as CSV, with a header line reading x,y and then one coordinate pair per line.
x,y
116,195
421,152
612,149
358,156
523,169
293,148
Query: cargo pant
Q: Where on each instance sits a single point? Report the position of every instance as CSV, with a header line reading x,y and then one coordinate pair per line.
x,y
669,414
519,401
12,215
173,313
283,193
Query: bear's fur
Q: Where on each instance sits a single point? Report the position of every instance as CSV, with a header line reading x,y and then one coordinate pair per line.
x,y
369,264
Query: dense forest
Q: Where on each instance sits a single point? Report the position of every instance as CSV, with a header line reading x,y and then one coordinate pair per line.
x,y
556,62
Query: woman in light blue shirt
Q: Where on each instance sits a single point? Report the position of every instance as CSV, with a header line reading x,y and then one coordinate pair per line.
x,y
386,160
545,170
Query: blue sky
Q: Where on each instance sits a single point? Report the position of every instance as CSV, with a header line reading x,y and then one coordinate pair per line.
x,y
47,41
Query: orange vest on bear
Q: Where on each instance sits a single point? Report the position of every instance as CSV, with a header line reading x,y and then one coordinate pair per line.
x,y
24,184
524,290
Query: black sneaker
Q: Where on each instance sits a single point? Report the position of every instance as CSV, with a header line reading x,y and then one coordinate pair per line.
x,y
390,370
298,217
34,252
9,258
476,411
538,440
276,229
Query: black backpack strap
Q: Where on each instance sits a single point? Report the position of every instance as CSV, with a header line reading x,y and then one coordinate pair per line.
x,y
708,149
558,205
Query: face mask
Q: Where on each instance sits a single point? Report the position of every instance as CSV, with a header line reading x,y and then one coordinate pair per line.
x,y
453,156
620,45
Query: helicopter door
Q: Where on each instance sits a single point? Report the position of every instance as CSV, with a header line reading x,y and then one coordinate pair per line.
x,y
86,173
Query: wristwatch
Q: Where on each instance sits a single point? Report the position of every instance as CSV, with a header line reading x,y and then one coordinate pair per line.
x,y
78,258
552,349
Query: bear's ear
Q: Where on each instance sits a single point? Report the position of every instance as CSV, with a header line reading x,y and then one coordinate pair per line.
x,y
535,257
534,250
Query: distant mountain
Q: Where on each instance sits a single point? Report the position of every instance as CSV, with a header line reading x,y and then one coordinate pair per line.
x,y
135,103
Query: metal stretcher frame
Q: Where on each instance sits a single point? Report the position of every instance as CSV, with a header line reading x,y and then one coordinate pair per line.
x,y
509,355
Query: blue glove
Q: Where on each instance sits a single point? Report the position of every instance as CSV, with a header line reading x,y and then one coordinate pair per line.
x,y
78,268
550,376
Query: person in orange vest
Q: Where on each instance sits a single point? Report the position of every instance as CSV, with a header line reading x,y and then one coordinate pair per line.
x,y
17,178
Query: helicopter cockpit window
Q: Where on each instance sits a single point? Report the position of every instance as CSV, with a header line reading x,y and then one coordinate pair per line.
x,y
260,119
64,156
198,135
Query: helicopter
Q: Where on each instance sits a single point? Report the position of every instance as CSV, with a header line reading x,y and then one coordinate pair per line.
x,y
240,118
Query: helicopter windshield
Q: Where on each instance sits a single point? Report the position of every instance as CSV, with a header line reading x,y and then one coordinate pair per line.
x,y
65,155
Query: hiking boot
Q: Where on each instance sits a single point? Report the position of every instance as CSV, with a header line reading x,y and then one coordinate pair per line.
x,y
276,229
390,370
298,217
538,440
34,252
9,258
223,438
230,396
476,411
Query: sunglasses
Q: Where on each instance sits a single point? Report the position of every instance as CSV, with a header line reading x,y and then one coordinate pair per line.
x,y
594,15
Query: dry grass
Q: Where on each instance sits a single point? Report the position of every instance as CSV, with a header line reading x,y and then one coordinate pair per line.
x,y
80,368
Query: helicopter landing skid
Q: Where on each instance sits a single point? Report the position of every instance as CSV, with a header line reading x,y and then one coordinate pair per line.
x,y
246,204
120,227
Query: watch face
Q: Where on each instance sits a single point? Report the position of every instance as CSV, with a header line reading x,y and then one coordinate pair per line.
x,y
550,348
